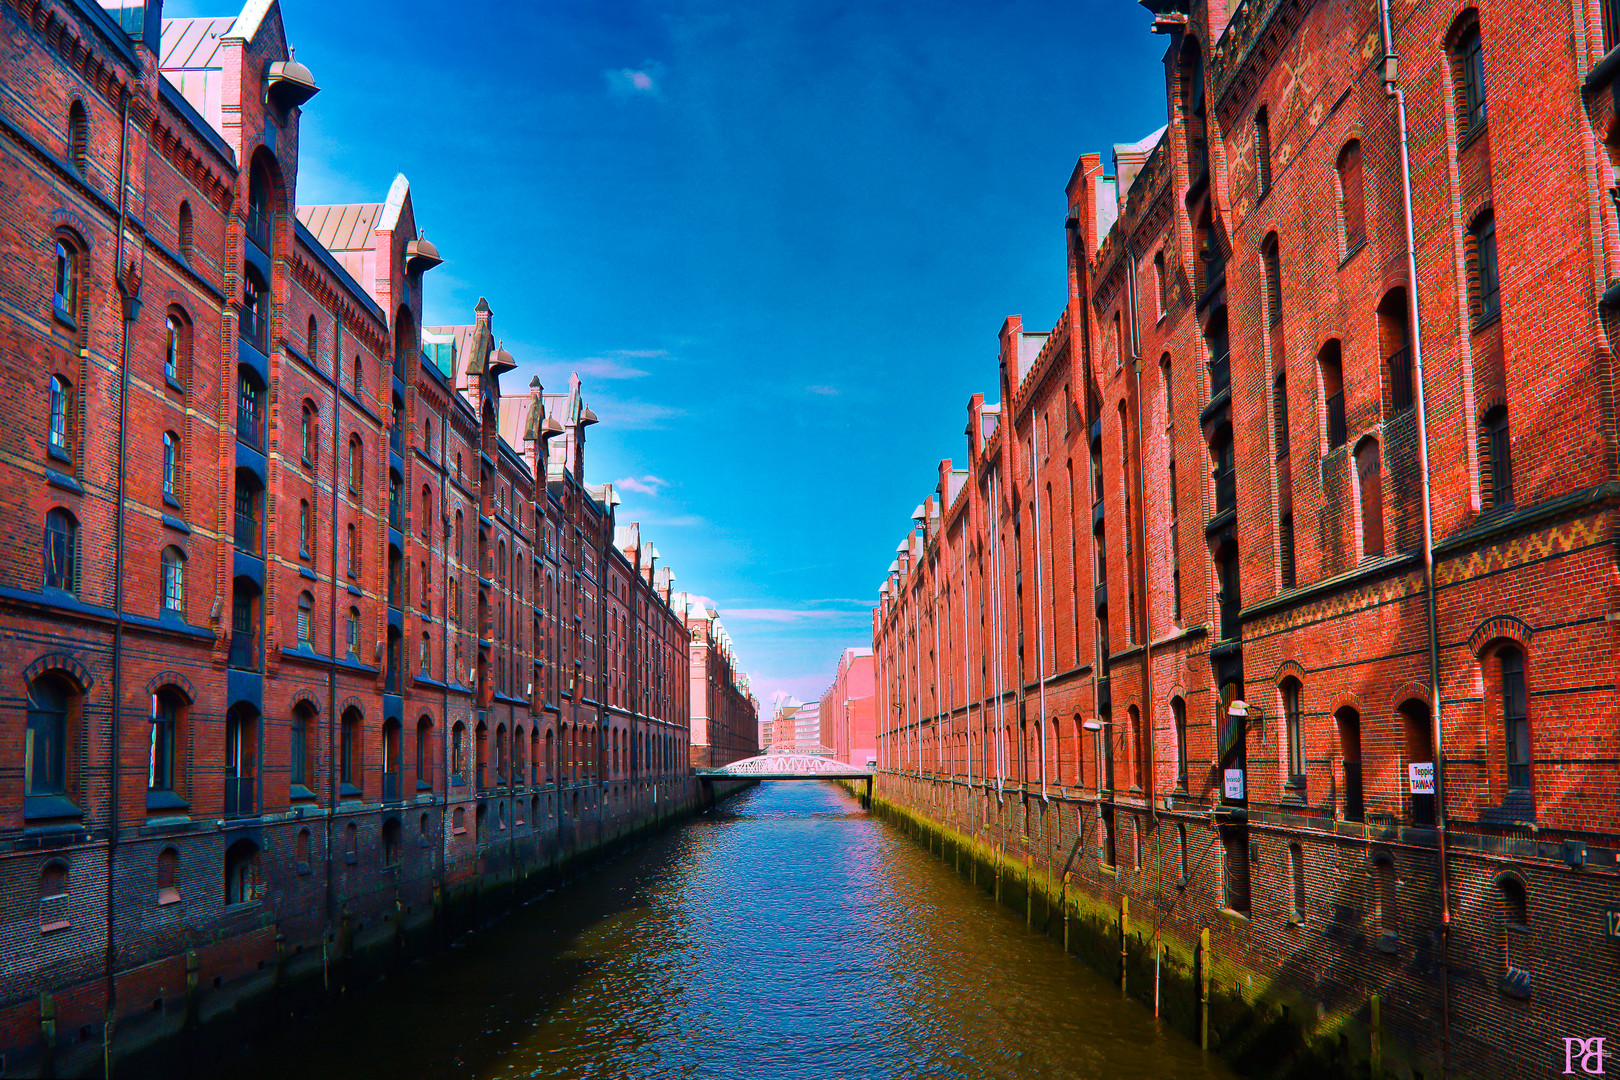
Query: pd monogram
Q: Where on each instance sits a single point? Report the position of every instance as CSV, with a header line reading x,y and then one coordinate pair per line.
x,y
1588,1053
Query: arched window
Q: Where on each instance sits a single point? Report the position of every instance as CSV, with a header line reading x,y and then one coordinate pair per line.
x,y
61,406
1484,280
241,872
168,876
426,510
1370,490
174,580
1136,751
1352,203
171,348
54,910
1515,717
426,576
306,527
309,432
163,739
352,634
353,553
1394,346
458,821
1235,869
458,753
171,468
1161,283
1468,76
312,340
301,851
306,608
185,232
301,730
61,549
1349,724
69,275
1516,979
1293,735
1332,376
1496,459
349,753
427,656
1178,713
357,467
45,747
357,382
259,210
79,136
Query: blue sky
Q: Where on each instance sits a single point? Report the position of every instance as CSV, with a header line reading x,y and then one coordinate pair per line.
x,y
776,240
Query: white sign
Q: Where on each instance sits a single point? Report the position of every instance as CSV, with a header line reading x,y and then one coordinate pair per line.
x,y
1234,783
1421,776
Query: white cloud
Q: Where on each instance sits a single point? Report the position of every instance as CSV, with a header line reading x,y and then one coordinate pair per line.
x,y
645,485
644,81
824,391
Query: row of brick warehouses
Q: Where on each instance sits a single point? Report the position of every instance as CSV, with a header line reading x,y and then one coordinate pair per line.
x,y
370,637
1171,631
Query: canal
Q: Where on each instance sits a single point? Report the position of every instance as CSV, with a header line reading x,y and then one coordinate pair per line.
x,y
786,935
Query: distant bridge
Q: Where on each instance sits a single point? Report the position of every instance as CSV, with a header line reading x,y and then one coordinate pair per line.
x,y
787,766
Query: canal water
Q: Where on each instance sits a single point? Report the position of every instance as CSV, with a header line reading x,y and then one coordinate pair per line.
x,y
786,935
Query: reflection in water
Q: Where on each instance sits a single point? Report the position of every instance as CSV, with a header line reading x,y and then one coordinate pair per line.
x,y
787,935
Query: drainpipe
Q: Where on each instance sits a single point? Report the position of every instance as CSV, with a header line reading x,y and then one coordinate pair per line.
x,y
1393,88
331,671
130,294
1040,617
997,622
967,672
443,778
1151,784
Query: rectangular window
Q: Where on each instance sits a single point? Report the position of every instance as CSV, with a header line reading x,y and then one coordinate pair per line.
x,y
1295,734
1471,61
1487,281
1515,720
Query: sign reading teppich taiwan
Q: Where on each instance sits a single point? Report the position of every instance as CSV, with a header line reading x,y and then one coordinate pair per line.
x,y
1421,775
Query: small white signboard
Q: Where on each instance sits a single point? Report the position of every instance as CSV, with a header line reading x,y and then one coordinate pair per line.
x,y
1234,783
1421,775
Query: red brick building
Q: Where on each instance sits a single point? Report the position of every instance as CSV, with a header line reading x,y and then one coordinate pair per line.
x,y
724,712
1169,638
849,709
310,627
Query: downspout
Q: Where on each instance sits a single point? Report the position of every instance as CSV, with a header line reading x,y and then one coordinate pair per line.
x,y
331,671
995,619
1040,617
130,293
967,672
1394,90
1151,785
939,714
443,778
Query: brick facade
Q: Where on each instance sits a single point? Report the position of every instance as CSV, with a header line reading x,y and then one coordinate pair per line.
x,y
325,626
849,709
1206,485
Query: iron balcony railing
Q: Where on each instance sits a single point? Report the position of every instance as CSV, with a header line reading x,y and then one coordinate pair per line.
x,y
1335,420
1220,375
239,796
247,533
1225,491
256,327
244,654
1400,379
258,227
1354,808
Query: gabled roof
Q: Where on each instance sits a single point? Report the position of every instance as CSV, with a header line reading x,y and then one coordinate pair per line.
x,y
346,231
191,61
